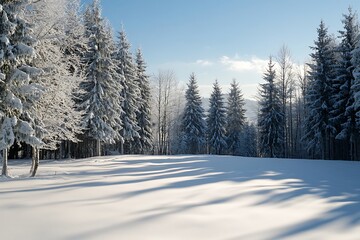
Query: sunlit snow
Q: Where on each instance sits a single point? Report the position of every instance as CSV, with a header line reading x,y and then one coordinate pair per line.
x,y
181,197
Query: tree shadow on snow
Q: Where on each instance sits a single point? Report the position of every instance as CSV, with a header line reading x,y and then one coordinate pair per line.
x,y
333,181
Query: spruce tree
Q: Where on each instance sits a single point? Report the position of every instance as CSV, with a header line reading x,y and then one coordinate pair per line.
x,y
145,140
345,110
216,122
75,41
193,120
100,99
356,85
271,117
319,102
130,93
235,118
18,95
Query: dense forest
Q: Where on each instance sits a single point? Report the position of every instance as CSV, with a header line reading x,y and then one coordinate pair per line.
x,y
70,89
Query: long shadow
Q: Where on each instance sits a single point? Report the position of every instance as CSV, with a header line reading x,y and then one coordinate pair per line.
x,y
335,181
324,179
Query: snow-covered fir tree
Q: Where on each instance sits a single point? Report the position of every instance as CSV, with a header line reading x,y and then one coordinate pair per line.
x,y
344,109
193,126
271,117
74,41
74,47
356,85
216,122
100,99
130,93
235,119
319,104
18,94
144,142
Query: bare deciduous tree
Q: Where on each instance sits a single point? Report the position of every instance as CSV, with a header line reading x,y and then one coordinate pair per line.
x,y
299,147
167,107
287,92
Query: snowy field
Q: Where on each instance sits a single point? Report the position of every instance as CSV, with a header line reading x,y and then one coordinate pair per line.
x,y
182,197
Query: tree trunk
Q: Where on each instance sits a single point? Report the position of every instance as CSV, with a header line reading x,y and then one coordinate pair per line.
x,y
68,152
32,161
324,145
4,171
36,158
62,150
98,148
353,147
357,150
327,145
291,130
121,147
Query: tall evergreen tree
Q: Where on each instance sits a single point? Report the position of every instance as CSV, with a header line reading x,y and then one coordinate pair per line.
x,y
271,117
130,92
100,100
18,95
345,109
75,41
145,141
193,121
74,48
235,118
356,84
216,122
319,128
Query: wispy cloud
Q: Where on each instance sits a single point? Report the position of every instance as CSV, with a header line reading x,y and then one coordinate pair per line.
x,y
204,63
238,65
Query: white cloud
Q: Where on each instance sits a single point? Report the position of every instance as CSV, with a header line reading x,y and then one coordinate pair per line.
x,y
204,63
249,91
239,65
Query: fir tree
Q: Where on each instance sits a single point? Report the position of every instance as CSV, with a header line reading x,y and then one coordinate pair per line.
x,y
130,92
235,118
145,140
216,122
271,117
193,120
75,41
345,110
100,100
356,84
18,95
319,104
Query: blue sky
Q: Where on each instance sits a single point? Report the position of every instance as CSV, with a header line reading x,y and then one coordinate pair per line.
x,y
222,39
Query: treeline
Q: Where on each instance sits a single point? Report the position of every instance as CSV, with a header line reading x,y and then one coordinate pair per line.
x,y
319,116
305,111
67,89
223,129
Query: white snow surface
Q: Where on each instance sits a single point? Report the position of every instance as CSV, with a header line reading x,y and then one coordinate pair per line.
x,y
181,197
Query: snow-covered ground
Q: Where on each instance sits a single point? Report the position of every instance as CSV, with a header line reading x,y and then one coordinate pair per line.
x,y
182,197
